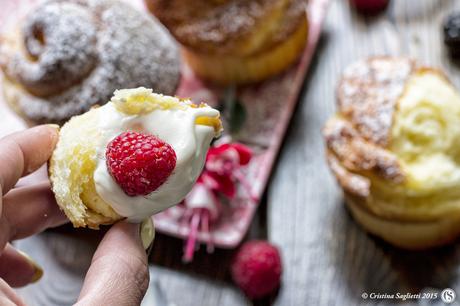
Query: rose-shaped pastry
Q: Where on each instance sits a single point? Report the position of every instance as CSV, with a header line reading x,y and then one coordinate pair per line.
x,y
394,146
70,55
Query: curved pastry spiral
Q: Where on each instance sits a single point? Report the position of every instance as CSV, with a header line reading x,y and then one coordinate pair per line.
x,y
71,55
394,147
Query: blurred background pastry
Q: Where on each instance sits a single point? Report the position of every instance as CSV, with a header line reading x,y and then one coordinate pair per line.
x,y
236,41
131,158
67,56
394,147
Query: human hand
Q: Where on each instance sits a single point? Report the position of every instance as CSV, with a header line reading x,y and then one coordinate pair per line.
x,y
118,273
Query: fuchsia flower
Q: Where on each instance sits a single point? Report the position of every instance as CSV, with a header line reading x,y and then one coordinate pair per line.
x,y
222,167
220,177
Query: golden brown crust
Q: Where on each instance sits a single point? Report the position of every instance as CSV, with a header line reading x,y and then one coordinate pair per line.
x,y
230,69
293,16
350,182
237,27
368,92
358,155
356,138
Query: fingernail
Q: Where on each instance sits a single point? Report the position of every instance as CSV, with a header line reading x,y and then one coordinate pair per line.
x,y
53,126
38,271
147,232
56,134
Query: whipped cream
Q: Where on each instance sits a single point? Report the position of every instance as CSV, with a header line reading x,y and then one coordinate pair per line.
x,y
175,125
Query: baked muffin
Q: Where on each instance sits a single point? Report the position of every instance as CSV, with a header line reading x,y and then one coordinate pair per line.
x,y
138,154
394,147
67,56
236,41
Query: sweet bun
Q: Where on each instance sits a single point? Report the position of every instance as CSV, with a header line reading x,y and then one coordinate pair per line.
x,y
67,56
81,181
394,147
236,41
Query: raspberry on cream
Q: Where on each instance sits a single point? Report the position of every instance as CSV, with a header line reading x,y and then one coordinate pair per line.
x,y
139,163
85,188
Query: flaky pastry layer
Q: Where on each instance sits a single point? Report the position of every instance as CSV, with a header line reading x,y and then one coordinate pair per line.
x,y
394,147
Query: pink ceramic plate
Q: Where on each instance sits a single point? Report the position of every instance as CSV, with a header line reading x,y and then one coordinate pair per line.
x,y
268,108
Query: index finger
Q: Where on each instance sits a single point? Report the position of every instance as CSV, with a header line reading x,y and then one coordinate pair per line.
x,y
24,152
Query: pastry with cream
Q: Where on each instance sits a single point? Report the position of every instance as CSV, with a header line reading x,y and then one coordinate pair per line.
x,y
131,158
236,41
394,147
66,56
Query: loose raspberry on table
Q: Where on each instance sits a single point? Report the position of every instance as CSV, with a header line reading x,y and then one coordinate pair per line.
x,y
257,268
139,163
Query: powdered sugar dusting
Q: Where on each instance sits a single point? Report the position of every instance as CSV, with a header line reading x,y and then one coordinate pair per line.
x,y
63,56
368,93
90,49
213,20
217,25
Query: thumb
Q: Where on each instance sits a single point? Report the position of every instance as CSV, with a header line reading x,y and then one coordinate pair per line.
x,y
118,274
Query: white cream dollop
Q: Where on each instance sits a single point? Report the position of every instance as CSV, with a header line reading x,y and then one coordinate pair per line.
x,y
175,125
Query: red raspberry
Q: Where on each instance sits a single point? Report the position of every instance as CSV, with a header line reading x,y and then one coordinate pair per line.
x,y
139,163
369,6
256,268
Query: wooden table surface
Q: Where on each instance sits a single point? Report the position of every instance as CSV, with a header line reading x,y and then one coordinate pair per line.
x,y
328,259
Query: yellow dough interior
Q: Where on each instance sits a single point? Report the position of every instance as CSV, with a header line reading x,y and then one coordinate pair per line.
x,y
71,172
426,133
